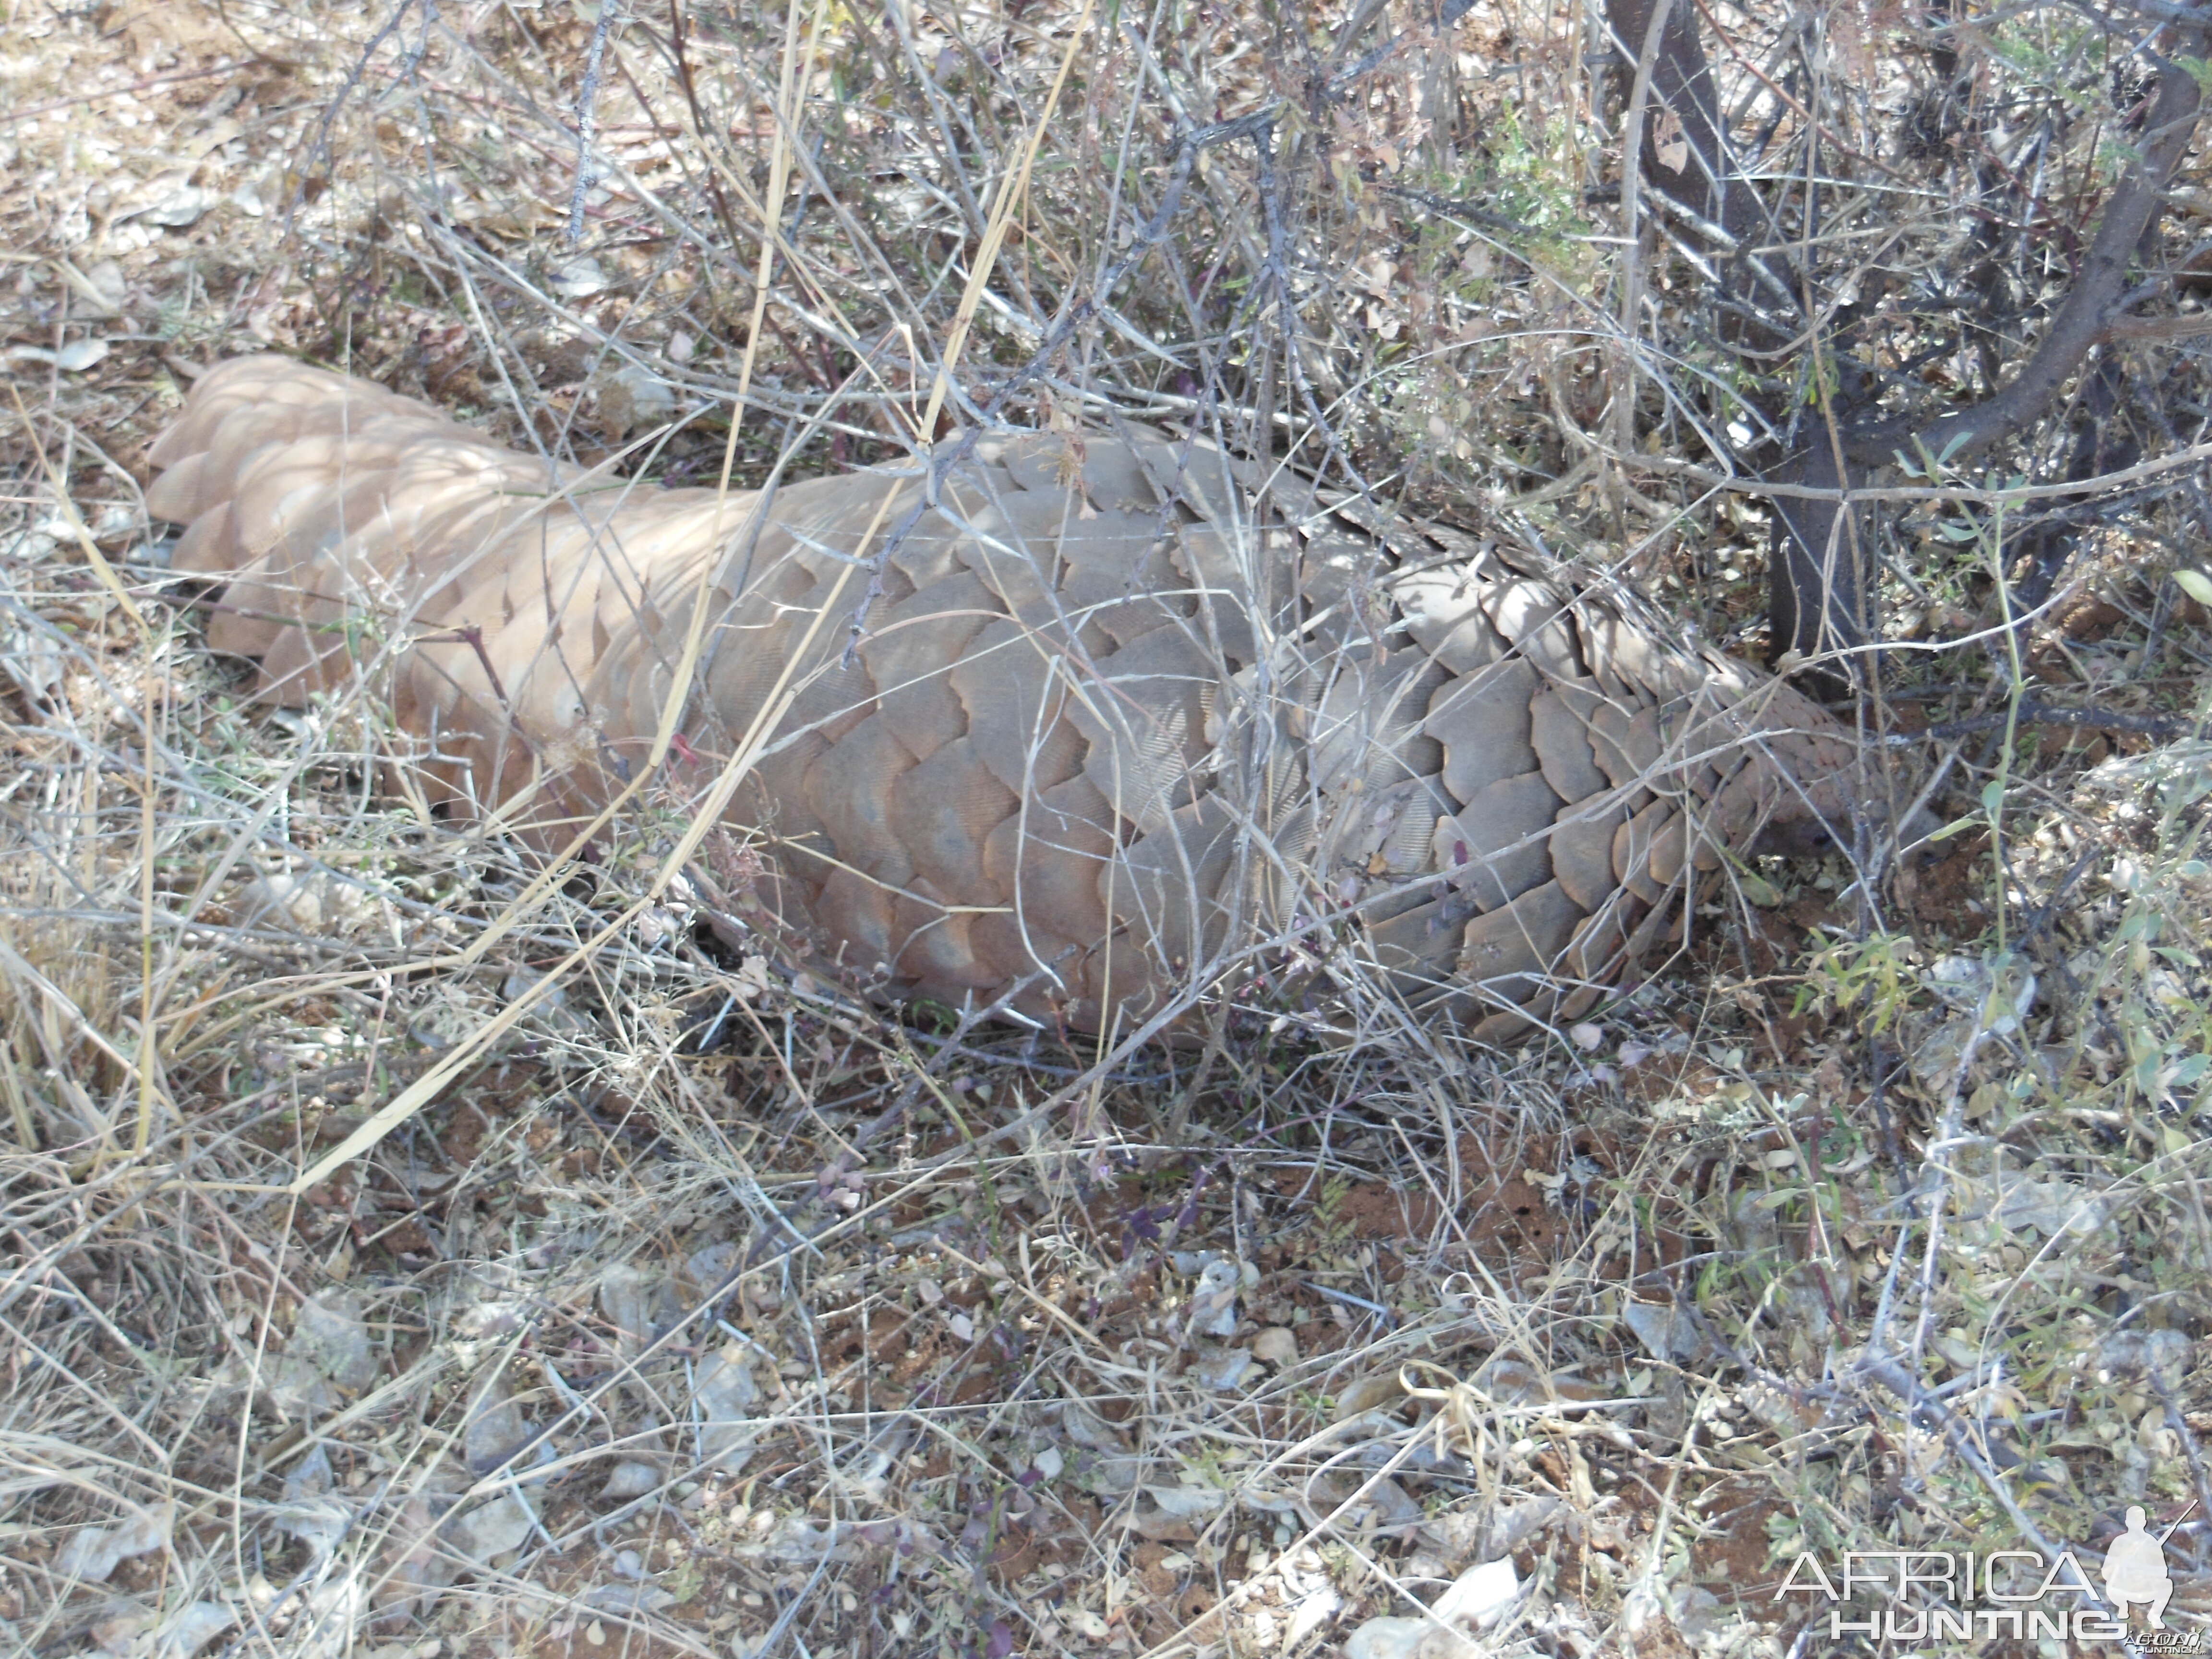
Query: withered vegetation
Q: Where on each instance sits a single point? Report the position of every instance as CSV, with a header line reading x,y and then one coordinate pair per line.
x,y
708,1311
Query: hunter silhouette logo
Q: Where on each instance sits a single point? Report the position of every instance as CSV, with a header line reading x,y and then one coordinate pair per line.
x,y
2135,1569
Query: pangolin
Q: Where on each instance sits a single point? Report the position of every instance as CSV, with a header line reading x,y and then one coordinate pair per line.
x,y
1067,726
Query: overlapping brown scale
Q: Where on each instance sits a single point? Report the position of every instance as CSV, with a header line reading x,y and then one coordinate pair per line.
x,y
1014,688
1110,558
1582,835
1201,556
1635,849
854,911
1483,722
1011,544
552,583
934,949
1048,859
1390,833
1559,732
449,666
1637,663
1196,474
1599,943
319,577
1536,620
1435,600
1473,646
1366,730
301,662
334,572
836,692
1105,717
745,653
1232,593
849,788
1144,723
1497,845
1418,950
190,489
251,438
275,389
826,524
290,484
1508,953
275,575
910,652
1169,887
1779,718
1624,741
206,548
942,811
775,804
1112,480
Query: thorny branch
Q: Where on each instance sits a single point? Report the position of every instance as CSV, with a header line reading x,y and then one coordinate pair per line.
x,y
1819,585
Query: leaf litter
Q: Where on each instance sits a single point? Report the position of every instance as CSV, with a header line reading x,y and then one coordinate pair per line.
x,y
659,1332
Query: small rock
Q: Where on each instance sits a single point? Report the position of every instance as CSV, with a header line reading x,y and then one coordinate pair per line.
x,y
108,282
1222,1371
1213,1302
78,356
327,1358
726,1394
180,207
1369,1394
631,1478
493,1528
580,278
1407,1638
1480,1595
629,1598
630,399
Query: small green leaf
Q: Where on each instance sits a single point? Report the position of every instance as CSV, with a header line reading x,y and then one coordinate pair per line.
x,y
1760,891
1993,797
2196,584
685,1581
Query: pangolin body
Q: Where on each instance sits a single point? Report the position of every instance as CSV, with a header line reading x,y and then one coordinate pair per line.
x,y
1106,728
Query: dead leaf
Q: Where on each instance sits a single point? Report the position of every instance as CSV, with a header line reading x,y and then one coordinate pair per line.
x,y
93,1553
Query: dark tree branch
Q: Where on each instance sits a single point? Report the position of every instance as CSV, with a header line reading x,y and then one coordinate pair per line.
x,y
2091,307
2031,713
1706,184
1818,583
2042,553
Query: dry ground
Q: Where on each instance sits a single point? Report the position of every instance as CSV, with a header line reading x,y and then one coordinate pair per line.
x,y
707,1313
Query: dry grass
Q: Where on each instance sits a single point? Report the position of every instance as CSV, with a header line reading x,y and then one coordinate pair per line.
x,y
710,1313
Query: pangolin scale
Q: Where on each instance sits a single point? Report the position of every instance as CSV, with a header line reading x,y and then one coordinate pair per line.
x,y
1112,715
